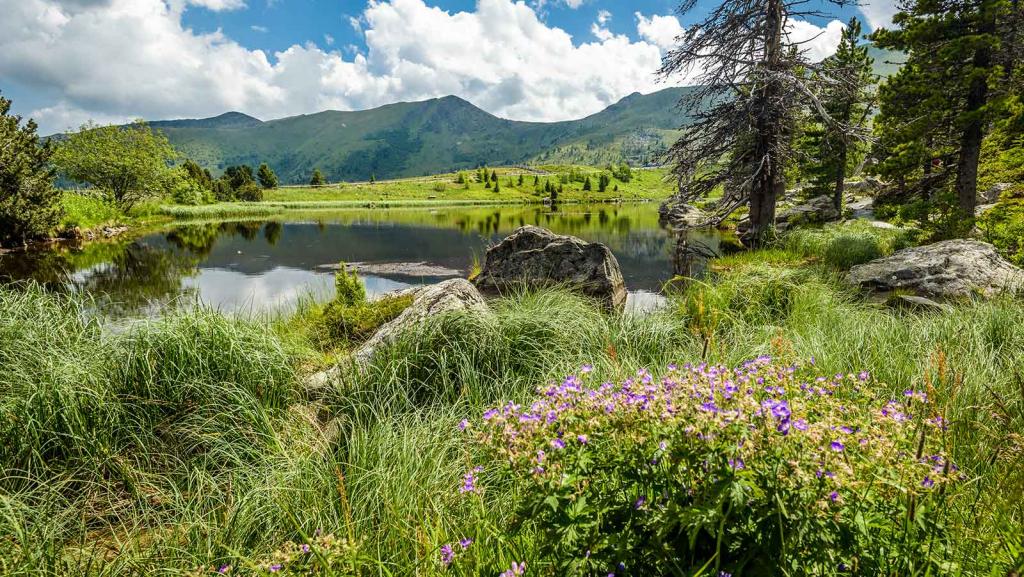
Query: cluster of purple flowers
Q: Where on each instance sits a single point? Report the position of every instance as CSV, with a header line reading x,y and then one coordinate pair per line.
x,y
721,407
448,551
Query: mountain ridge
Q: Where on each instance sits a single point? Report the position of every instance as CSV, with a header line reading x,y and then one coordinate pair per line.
x,y
441,134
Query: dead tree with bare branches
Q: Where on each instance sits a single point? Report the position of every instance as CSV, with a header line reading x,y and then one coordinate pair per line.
x,y
752,81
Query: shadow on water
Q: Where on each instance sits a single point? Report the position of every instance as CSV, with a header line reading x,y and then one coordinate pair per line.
x,y
262,265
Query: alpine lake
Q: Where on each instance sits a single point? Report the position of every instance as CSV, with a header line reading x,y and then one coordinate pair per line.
x,y
269,265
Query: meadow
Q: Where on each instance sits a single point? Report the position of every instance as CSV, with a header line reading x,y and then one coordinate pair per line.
x,y
188,444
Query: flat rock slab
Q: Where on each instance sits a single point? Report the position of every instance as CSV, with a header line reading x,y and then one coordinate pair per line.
x,y
948,269
417,269
534,257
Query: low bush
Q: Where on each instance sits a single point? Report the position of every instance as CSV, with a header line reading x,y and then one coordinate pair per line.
x,y
757,469
347,324
249,192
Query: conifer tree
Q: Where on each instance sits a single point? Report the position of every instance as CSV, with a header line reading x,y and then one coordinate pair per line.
x,y
937,110
756,78
520,179
586,184
494,176
29,204
318,178
266,176
847,99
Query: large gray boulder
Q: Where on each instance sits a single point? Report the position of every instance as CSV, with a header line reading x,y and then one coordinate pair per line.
x,y
952,268
450,296
534,257
817,210
680,215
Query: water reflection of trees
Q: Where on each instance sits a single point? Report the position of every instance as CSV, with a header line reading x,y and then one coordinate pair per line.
x,y
140,277
199,239
121,278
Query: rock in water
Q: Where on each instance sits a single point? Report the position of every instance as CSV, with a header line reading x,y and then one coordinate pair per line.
x,y
446,297
534,257
952,268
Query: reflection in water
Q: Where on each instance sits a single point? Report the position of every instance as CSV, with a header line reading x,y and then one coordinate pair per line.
x,y
252,265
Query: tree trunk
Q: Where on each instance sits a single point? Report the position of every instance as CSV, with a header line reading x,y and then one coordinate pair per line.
x,y
837,195
970,139
770,182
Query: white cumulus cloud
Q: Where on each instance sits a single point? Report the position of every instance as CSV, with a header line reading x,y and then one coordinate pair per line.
x,y
114,60
878,13
659,30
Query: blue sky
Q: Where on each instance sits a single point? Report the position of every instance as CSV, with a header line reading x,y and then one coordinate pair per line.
x,y
67,61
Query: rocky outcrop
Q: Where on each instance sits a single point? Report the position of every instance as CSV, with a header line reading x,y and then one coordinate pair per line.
x,y
991,194
818,210
534,257
450,296
680,215
866,185
952,268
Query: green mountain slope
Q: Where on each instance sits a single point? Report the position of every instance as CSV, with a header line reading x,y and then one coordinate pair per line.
x,y
418,138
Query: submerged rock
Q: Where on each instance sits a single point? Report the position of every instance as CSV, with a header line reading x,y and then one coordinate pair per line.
x,y
534,257
952,268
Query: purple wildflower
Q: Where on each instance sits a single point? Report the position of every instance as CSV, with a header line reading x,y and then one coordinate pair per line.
x,y
558,444
833,496
585,369
447,555
224,569
928,482
640,502
583,439
469,481
515,570
465,543
800,425
305,548
837,446
275,568
463,424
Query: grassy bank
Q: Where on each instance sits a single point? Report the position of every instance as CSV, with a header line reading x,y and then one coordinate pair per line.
x,y
190,441
443,190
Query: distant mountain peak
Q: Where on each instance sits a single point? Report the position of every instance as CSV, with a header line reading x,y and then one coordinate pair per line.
x,y
231,119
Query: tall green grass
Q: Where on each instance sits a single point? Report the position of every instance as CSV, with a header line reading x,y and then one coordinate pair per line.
x,y
188,440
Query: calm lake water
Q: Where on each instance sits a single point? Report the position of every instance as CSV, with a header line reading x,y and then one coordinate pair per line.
x,y
269,264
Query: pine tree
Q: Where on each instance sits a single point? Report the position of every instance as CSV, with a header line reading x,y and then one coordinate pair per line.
x,y
487,184
266,176
586,184
497,186
936,111
846,99
317,179
29,204
494,176
520,179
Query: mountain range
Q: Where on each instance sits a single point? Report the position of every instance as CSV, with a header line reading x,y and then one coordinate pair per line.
x,y
418,138
407,139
